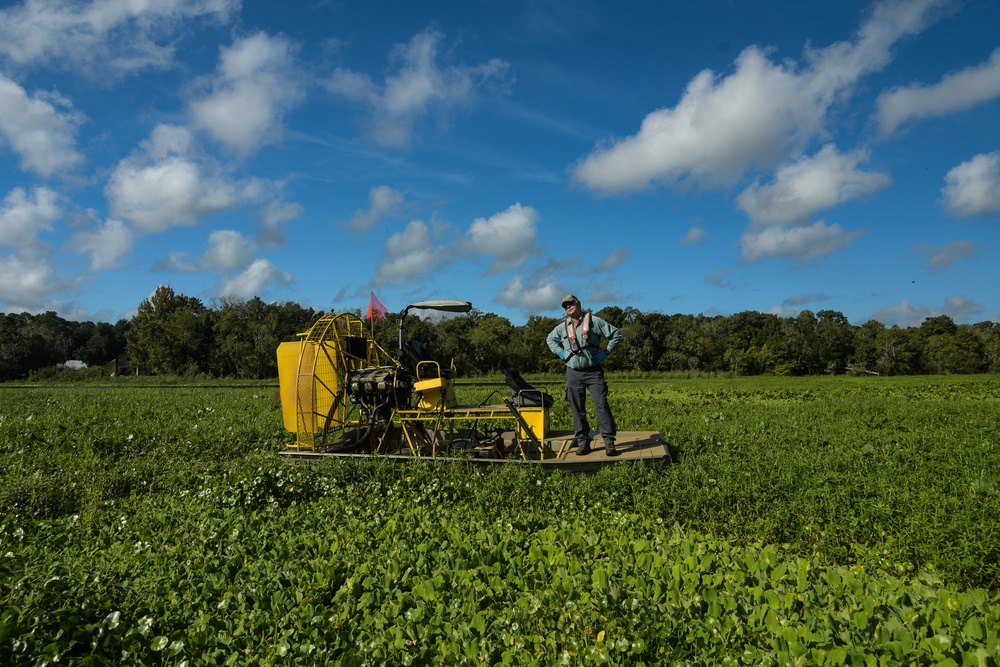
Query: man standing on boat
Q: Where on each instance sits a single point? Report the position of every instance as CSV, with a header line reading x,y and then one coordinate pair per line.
x,y
577,341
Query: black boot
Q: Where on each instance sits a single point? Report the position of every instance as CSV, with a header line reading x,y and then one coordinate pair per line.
x,y
609,448
584,449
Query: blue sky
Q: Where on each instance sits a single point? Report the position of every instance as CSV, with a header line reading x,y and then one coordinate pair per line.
x,y
709,156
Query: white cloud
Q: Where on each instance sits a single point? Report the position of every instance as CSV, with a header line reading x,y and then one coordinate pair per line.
x,y
718,129
409,254
35,128
28,275
255,84
164,185
797,243
536,296
254,280
355,86
272,218
382,201
177,260
507,236
783,311
955,92
27,280
973,187
810,297
781,211
227,250
105,38
718,278
694,236
614,259
105,244
418,86
810,184
168,193
540,289
23,216
941,257
906,314
888,21
758,115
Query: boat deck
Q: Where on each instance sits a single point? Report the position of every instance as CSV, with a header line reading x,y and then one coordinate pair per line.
x,y
632,446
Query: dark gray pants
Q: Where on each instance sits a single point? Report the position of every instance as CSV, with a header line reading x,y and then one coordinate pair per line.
x,y
578,383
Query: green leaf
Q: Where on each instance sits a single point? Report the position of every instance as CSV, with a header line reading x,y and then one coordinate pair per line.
x,y
973,629
836,656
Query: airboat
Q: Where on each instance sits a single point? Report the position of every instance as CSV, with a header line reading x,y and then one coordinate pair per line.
x,y
343,395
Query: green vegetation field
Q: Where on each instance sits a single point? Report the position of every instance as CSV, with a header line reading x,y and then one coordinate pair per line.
x,y
813,521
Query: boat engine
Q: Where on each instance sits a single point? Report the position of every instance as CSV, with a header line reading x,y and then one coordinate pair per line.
x,y
379,390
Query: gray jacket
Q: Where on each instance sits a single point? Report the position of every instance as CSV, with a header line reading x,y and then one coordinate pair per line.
x,y
590,353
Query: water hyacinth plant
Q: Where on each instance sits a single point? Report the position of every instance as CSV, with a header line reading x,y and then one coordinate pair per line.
x,y
808,521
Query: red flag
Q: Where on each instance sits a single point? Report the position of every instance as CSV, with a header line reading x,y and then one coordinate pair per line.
x,y
376,311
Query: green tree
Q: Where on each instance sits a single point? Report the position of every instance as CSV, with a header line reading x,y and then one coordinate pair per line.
x,y
898,352
171,333
690,340
104,344
770,358
751,342
638,350
940,325
450,340
865,353
802,336
528,351
488,343
989,336
705,343
20,353
614,315
233,333
961,352
835,340
661,330
247,332
675,356
55,334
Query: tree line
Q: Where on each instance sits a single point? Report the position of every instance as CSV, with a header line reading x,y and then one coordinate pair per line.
x,y
174,334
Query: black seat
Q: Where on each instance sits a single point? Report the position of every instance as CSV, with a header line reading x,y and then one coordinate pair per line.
x,y
423,365
523,395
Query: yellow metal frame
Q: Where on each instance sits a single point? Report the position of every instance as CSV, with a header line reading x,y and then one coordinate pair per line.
x,y
317,395
313,372
425,430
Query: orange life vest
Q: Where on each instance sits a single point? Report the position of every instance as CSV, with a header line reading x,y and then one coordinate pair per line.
x,y
574,345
